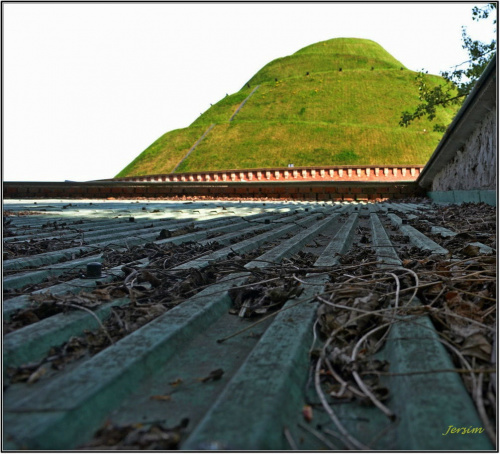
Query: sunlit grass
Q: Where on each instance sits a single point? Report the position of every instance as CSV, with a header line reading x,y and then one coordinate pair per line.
x,y
355,97
222,111
333,55
251,145
165,153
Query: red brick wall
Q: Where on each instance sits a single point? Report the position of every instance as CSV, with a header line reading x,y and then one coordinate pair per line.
x,y
336,191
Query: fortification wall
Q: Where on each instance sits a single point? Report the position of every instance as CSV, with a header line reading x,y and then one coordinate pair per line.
x,y
475,163
335,191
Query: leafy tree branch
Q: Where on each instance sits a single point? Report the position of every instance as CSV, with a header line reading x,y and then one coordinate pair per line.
x,y
458,82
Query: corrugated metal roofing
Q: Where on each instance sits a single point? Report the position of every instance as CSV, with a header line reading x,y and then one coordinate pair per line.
x,y
249,326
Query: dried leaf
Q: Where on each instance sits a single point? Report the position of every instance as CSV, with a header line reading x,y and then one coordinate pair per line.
x,y
102,293
161,397
435,289
476,249
146,276
138,436
214,375
35,376
453,297
477,345
307,413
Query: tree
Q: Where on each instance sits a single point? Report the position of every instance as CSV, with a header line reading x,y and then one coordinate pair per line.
x,y
458,82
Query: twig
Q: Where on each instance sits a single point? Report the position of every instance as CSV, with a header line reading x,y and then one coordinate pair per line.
x,y
417,285
484,279
345,267
349,440
460,278
198,289
345,385
423,372
276,264
315,336
473,294
131,295
462,359
120,322
290,439
256,283
381,434
363,311
320,437
186,261
389,413
333,434
396,305
82,308
70,284
478,398
489,311
219,341
437,297
398,288
407,289
465,260
130,277
470,320
306,283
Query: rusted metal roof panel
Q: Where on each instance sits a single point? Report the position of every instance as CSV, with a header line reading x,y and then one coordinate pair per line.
x,y
249,325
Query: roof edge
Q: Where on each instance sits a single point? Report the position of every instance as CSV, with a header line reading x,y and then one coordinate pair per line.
x,y
455,135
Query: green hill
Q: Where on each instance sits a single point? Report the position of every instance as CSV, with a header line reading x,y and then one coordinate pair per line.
x,y
336,102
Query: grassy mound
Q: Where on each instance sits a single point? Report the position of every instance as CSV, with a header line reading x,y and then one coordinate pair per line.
x,y
337,102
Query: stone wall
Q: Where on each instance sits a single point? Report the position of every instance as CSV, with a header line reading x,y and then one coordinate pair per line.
x,y
475,164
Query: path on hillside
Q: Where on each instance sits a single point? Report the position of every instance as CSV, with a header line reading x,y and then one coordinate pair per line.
x,y
243,103
194,146
211,127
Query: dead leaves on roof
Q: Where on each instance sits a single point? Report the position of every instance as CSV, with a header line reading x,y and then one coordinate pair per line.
x,y
458,293
27,248
153,436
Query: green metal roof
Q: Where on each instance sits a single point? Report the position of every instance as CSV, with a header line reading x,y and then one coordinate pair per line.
x,y
248,326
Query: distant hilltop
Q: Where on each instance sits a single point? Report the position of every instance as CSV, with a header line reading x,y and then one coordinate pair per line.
x,y
336,102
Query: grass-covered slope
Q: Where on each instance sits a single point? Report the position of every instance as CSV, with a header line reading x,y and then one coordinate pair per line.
x,y
336,102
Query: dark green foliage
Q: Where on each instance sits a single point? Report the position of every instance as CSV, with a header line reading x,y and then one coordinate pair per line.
x,y
460,81
345,155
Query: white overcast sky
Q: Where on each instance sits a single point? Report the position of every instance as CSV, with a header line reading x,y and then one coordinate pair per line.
x,y
88,86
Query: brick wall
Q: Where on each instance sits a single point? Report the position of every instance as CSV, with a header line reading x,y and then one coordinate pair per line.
x,y
335,191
